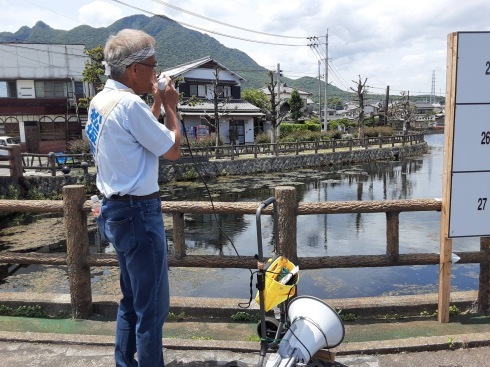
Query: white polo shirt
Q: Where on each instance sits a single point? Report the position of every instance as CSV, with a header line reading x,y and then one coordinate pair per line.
x,y
130,144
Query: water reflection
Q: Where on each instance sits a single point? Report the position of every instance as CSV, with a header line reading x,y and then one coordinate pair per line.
x,y
333,235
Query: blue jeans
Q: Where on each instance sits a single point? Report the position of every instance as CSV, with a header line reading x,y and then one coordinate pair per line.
x,y
135,229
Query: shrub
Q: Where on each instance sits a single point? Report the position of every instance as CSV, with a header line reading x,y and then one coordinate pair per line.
x,y
287,128
263,138
207,141
302,135
373,132
313,126
78,146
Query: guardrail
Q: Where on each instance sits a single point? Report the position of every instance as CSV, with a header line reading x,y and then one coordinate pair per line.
x,y
75,207
55,161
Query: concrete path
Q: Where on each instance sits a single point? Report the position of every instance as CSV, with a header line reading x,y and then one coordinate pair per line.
x,y
24,354
204,334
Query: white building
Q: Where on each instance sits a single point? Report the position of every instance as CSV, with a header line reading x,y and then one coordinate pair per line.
x,y
39,87
204,79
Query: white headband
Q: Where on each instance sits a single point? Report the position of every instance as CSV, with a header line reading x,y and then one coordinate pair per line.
x,y
131,59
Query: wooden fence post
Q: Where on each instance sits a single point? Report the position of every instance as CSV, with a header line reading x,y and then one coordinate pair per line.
x,y
392,236
16,161
52,163
286,207
484,283
77,251
179,238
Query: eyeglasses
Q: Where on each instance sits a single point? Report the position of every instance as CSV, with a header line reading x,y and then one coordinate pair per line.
x,y
149,65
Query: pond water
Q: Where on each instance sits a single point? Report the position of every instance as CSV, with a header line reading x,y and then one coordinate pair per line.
x,y
329,235
318,235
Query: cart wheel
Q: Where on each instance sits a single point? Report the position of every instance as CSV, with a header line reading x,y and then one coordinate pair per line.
x,y
235,364
271,326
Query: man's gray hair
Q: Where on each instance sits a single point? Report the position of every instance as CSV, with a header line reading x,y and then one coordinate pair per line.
x,y
120,47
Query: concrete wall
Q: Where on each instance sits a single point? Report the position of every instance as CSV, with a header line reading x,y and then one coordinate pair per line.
x,y
177,172
170,172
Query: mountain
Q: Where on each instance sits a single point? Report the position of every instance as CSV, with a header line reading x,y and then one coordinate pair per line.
x,y
175,45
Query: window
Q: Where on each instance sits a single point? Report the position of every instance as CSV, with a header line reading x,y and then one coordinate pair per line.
x,y
224,91
51,89
198,90
8,89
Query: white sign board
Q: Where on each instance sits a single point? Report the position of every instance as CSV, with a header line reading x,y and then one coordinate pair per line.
x,y
470,208
469,214
473,73
471,144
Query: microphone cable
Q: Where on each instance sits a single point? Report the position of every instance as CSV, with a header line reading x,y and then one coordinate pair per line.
x,y
208,192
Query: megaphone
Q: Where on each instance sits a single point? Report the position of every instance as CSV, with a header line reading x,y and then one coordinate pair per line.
x,y
314,325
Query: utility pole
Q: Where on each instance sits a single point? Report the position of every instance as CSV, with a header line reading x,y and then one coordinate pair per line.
x,y
319,90
278,89
386,105
433,88
325,124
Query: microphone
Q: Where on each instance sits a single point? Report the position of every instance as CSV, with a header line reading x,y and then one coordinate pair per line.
x,y
162,81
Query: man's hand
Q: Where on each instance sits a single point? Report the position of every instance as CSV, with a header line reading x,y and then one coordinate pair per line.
x,y
169,96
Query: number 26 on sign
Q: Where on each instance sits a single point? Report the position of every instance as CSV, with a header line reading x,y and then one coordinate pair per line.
x,y
485,138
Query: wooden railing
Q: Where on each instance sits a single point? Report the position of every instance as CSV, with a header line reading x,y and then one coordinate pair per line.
x,y
53,162
298,147
78,259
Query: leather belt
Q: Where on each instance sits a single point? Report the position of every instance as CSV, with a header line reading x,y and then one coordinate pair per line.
x,y
135,197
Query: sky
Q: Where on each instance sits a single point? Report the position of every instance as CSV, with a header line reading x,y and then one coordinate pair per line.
x,y
400,44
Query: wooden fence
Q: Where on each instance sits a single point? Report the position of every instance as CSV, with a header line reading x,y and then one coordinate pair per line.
x,y
298,147
53,162
75,207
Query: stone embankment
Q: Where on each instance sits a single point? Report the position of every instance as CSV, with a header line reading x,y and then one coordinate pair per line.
x,y
242,165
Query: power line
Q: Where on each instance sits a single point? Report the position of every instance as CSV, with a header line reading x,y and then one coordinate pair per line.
x,y
223,23
207,30
52,11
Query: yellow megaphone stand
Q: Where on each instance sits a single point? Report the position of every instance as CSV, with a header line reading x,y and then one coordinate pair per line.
x,y
312,323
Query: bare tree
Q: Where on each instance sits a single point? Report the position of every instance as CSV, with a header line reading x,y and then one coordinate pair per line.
x,y
361,90
403,111
275,116
219,104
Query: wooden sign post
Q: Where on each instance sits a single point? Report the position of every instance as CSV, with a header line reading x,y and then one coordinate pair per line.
x,y
466,176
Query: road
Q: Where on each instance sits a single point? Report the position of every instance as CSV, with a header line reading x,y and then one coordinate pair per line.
x,y
25,354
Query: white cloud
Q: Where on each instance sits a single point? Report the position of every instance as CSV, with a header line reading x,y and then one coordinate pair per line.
x,y
396,43
99,13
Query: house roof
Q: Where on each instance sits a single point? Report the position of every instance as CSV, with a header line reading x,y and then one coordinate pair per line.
x,y
183,68
234,107
286,89
424,105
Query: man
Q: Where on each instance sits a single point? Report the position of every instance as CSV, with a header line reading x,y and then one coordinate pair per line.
x,y
127,140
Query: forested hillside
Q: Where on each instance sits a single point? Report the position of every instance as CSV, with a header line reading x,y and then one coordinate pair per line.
x,y
175,45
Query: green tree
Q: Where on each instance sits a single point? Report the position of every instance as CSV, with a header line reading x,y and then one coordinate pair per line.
x,y
296,105
258,99
94,70
335,102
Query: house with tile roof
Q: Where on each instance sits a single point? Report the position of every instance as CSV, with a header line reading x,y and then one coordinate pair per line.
x,y
210,89
285,93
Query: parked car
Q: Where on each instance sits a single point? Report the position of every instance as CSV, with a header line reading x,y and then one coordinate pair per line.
x,y
6,141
